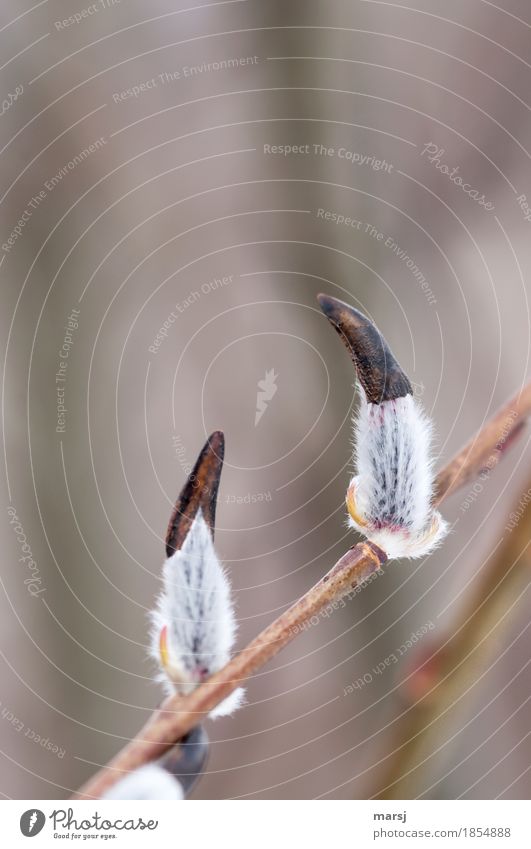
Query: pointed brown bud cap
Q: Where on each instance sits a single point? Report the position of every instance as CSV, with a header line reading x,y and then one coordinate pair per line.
x,y
199,493
377,369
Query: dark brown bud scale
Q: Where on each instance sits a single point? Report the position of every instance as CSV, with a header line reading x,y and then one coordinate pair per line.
x,y
199,493
377,369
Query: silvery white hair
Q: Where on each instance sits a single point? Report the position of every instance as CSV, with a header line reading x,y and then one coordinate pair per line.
x,y
390,498
147,782
193,624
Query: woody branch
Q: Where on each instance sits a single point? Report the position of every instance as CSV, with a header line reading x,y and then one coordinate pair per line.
x,y
178,715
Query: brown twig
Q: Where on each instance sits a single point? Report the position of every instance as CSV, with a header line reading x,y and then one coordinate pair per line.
x,y
447,669
487,447
178,715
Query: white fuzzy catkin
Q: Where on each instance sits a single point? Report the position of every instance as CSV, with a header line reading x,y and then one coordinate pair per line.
x,y
392,491
196,610
147,782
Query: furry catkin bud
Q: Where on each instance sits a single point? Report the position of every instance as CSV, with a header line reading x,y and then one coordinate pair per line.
x,y
194,626
389,500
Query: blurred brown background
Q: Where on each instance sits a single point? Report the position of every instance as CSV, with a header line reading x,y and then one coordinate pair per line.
x,y
177,193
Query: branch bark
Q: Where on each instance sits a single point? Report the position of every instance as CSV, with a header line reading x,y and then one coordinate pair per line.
x,y
178,715
486,448
449,668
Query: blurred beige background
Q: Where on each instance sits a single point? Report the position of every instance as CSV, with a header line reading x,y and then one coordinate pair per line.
x,y
178,208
